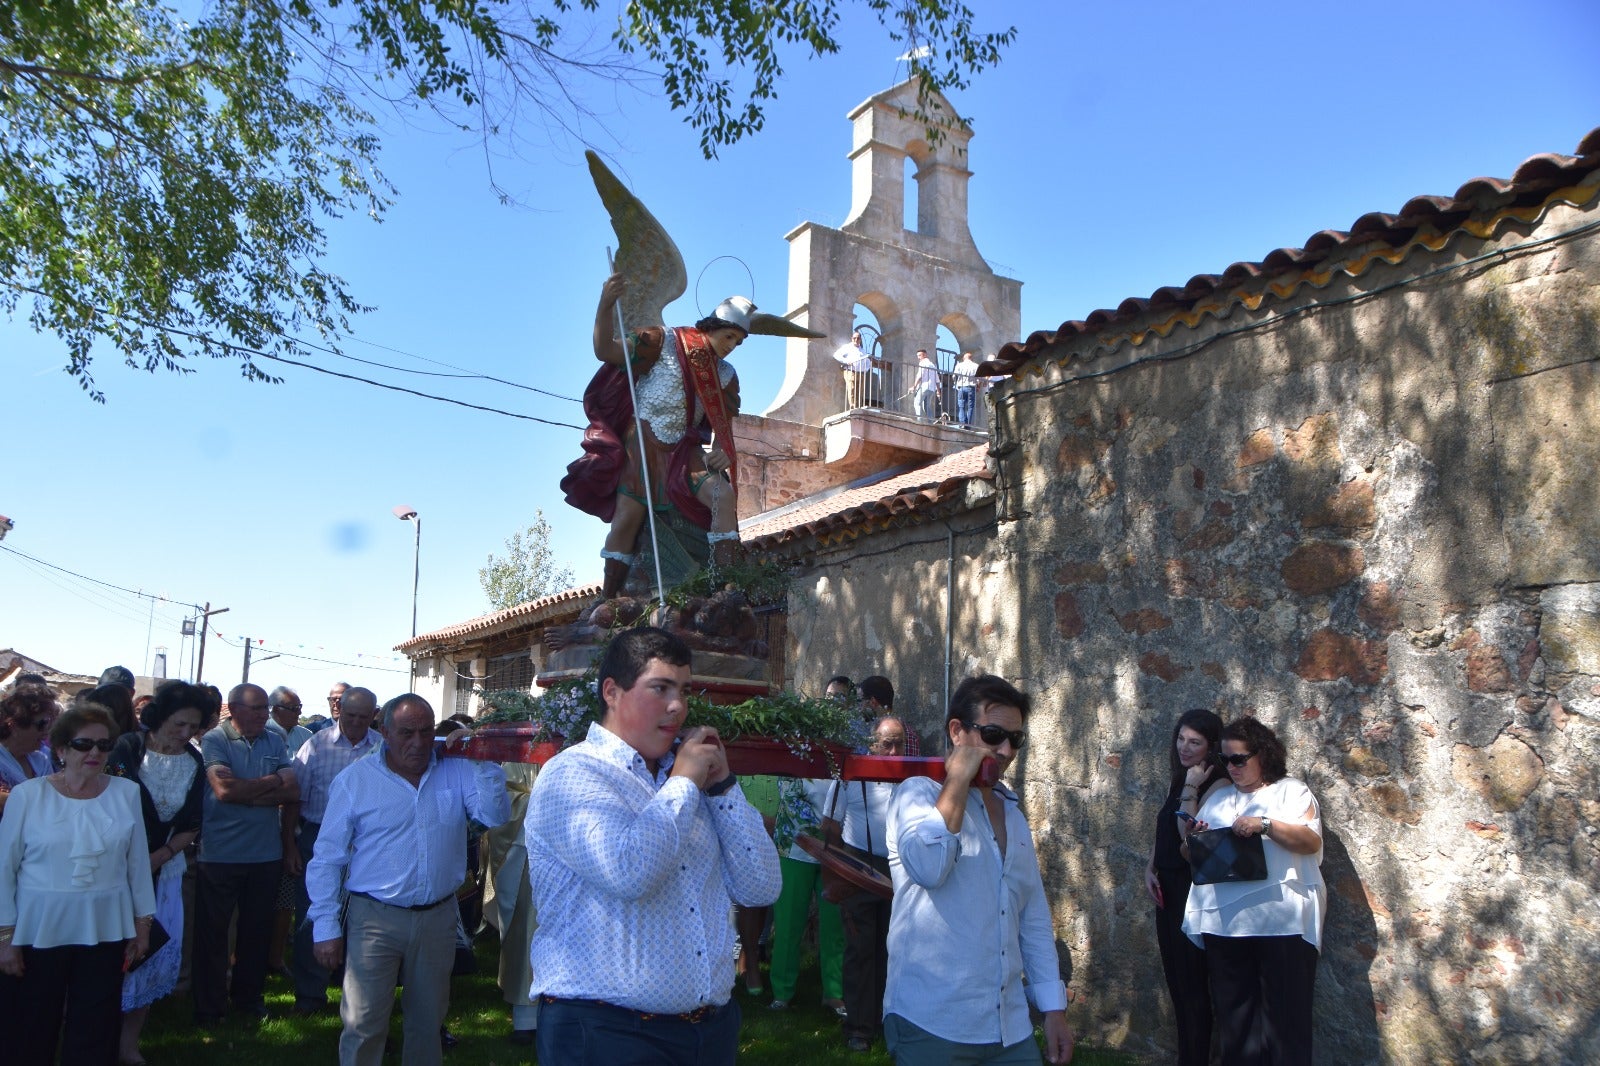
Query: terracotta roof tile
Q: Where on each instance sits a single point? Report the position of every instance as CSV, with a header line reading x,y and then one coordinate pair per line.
x,y
532,612
1532,183
902,494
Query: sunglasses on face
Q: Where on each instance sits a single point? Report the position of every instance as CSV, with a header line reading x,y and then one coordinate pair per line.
x,y
85,744
1236,761
992,735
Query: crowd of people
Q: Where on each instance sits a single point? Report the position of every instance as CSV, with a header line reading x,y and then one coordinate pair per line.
x,y
636,878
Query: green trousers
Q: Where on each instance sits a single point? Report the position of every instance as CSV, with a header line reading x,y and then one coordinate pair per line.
x,y
801,882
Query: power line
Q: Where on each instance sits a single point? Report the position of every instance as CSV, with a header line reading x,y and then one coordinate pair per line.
x,y
95,580
311,658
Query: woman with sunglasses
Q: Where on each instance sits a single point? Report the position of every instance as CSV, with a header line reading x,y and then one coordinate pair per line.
x,y
1195,772
1262,938
25,718
172,784
76,900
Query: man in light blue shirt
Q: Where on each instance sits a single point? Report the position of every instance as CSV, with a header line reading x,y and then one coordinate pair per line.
x,y
395,834
963,934
639,841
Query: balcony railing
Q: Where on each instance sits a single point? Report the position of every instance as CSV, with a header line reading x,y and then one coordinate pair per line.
x,y
897,387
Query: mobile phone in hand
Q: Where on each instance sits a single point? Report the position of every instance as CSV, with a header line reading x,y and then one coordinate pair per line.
x,y
1186,816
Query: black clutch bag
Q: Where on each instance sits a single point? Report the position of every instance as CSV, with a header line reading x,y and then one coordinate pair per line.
x,y
158,939
1218,856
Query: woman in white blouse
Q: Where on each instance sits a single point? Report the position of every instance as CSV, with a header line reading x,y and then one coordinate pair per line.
x,y
76,900
1262,938
26,715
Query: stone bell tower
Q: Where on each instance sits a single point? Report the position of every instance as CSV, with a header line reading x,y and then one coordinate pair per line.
x,y
913,280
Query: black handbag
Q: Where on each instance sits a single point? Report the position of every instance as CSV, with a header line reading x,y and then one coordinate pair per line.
x,y
158,940
1218,856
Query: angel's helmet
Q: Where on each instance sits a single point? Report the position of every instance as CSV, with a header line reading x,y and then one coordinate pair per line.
x,y
735,311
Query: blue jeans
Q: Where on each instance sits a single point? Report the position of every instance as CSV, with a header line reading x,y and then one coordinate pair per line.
x,y
587,1032
966,403
927,404
911,1045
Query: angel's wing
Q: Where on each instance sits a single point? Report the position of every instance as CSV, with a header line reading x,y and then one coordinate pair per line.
x,y
646,256
778,326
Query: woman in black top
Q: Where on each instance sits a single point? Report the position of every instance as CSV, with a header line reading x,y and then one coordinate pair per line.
x,y
171,782
1195,743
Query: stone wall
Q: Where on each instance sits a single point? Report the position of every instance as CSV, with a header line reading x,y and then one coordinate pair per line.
x,y
878,605
1367,515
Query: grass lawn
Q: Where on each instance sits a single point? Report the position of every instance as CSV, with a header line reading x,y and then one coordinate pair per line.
x,y
806,1033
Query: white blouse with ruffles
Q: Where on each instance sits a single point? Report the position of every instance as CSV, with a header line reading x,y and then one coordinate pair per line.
x,y
73,871
1292,900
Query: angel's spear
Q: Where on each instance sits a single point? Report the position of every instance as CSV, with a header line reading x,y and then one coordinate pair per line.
x,y
638,433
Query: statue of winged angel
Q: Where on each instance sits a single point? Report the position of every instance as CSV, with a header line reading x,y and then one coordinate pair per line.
x,y
662,404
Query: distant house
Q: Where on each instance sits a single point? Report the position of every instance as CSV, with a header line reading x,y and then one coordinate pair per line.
x,y
13,663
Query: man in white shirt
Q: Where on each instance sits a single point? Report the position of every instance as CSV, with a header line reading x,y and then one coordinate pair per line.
x,y
856,365
316,764
857,816
963,934
927,386
965,376
395,833
639,841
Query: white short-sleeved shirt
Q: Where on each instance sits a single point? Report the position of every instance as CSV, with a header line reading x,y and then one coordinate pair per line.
x,y
1292,900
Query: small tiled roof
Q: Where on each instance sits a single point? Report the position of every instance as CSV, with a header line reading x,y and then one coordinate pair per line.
x,y
916,491
1425,222
532,612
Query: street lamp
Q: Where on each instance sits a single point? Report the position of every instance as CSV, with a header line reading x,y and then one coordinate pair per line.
x,y
409,514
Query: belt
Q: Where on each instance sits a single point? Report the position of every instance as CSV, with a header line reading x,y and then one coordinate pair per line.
x,y
699,1014
406,906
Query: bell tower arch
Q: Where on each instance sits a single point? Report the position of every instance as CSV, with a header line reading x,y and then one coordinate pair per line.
x,y
931,275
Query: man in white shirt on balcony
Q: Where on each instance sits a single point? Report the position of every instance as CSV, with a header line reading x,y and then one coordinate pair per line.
x,y
395,832
962,935
639,842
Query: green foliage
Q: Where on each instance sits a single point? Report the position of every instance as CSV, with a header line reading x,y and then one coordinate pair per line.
x,y
564,710
762,581
166,180
528,569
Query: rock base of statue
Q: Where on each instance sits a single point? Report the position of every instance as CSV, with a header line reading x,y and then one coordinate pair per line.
x,y
731,655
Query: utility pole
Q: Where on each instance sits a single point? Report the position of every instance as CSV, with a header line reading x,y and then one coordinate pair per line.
x,y
205,624
246,676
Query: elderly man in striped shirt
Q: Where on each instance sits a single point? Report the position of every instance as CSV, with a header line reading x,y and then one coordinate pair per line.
x,y
395,834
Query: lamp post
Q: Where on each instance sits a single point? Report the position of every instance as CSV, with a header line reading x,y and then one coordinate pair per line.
x,y
409,514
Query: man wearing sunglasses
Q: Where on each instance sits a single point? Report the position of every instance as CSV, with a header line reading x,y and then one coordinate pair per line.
x,y
963,934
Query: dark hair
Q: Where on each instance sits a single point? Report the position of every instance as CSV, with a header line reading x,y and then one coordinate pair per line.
x,y
23,703
840,679
116,699
213,707
1202,721
170,698
75,718
1262,741
709,324
630,653
28,677
971,695
877,687
1208,725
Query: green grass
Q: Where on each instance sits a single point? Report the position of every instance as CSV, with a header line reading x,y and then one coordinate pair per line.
x,y
806,1033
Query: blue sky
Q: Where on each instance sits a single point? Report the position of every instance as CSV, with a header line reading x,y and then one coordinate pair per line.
x,y
1117,148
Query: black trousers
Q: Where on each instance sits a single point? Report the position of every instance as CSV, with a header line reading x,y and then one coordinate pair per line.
x,y
866,962
81,984
220,889
1185,968
310,976
1262,987
578,1032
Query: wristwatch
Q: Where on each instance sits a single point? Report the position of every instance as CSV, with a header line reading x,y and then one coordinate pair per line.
x,y
1266,827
